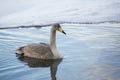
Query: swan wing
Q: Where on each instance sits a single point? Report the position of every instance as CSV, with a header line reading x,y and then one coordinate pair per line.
x,y
40,50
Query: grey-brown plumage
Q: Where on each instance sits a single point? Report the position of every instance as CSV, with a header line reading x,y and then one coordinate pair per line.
x,y
43,50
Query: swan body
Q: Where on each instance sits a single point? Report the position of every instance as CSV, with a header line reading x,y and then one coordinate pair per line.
x,y
43,50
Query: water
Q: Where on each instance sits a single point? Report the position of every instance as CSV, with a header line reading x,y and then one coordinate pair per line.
x,y
90,52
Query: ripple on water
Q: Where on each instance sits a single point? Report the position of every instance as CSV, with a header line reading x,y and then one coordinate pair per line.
x,y
90,52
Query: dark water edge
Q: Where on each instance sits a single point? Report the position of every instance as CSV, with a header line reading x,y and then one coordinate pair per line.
x,y
90,52
60,22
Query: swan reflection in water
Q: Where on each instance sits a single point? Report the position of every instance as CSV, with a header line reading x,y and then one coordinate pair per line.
x,y
36,63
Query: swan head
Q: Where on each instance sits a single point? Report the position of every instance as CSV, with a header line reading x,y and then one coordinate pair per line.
x,y
58,28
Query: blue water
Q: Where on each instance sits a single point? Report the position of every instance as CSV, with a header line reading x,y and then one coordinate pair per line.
x,y
90,52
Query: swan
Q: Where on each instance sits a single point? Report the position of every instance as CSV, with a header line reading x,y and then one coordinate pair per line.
x,y
43,50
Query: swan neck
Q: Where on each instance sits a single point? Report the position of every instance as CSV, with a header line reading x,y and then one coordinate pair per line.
x,y
53,44
53,39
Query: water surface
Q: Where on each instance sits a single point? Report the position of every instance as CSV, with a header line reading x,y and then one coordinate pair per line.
x,y
90,52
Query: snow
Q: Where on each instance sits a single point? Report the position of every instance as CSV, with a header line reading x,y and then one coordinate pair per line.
x,y
18,12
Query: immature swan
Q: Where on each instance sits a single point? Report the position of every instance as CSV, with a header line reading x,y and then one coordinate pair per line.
x,y
43,50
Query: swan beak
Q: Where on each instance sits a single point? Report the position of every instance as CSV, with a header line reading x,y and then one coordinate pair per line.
x,y
61,30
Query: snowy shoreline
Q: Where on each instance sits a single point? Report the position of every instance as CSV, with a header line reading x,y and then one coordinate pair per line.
x,y
64,11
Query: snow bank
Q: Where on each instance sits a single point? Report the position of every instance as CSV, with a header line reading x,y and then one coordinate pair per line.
x,y
17,12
